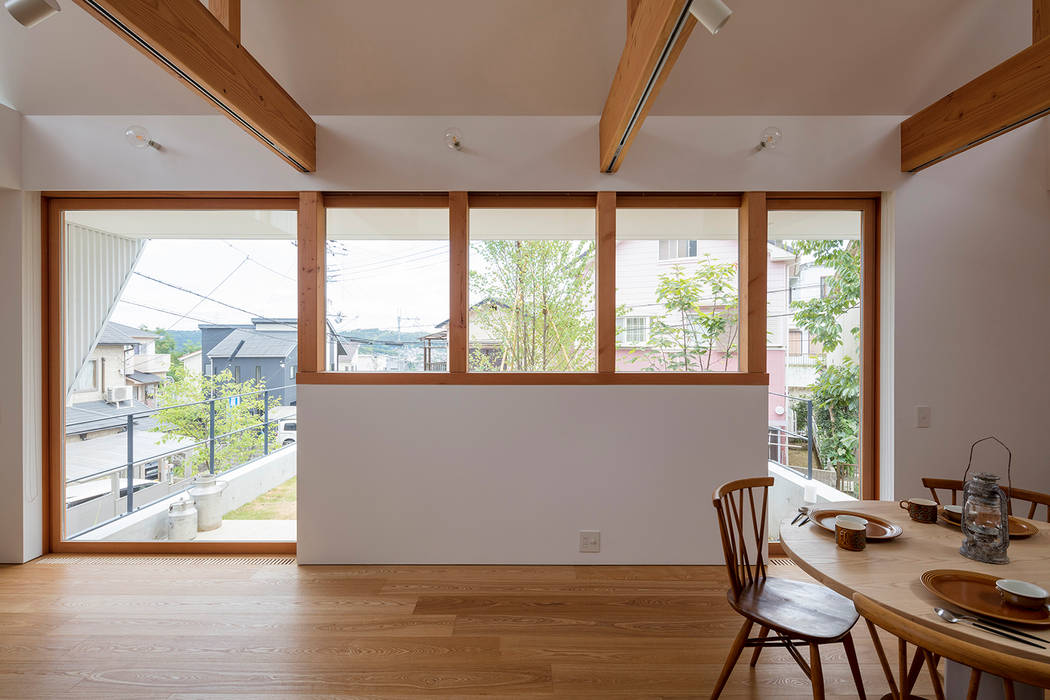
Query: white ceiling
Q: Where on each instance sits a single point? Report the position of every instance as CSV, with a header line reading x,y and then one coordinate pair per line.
x,y
536,57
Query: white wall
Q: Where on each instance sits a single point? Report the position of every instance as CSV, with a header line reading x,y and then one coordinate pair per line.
x,y
974,351
10,148
489,474
972,312
500,153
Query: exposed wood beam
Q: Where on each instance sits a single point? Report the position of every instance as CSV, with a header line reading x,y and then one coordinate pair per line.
x,y
1040,20
632,10
190,43
1010,95
655,38
228,12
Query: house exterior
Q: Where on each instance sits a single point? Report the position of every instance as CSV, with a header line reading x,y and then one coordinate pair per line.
x,y
264,350
123,356
192,363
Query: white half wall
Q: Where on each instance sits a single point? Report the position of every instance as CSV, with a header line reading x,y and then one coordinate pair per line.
x,y
511,474
10,148
972,313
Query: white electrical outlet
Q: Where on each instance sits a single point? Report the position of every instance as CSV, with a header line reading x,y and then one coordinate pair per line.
x,y
590,541
922,416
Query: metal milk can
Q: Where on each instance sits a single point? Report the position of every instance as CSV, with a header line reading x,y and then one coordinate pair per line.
x,y
207,495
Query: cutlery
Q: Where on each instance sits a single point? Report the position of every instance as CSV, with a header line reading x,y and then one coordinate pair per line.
x,y
992,623
804,521
803,510
949,617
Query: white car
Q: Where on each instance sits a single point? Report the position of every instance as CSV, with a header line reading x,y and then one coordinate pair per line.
x,y
286,432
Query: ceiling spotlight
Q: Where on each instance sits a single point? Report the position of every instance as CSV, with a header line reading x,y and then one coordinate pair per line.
x,y
713,14
31,12
453,139
138,137
769,139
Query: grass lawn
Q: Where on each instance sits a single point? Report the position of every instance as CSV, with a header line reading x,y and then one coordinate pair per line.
x,y
276,504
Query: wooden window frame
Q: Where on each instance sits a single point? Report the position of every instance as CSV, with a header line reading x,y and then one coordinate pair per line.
x,y
54,205
311,207
869,205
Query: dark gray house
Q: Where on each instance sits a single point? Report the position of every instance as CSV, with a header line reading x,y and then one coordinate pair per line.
x,y
265,350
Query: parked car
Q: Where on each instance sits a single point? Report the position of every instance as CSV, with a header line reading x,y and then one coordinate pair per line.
x,y
286,432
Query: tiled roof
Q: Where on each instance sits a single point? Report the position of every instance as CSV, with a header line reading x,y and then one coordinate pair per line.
x,y
256,344
99,415
119,334
144,377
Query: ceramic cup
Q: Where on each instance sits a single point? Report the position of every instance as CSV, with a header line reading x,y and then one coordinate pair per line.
x,y
921,510
1021,593
851,532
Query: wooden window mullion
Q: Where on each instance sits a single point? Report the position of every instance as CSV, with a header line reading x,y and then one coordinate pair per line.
x,y
312,324
458,255
605,238
752,257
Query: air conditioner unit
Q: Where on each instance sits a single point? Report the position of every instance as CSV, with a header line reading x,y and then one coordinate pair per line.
x,y
117,394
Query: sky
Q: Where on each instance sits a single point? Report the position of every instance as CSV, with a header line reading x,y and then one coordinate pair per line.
x,y
373,282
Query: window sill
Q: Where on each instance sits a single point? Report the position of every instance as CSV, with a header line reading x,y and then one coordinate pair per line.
x,y
535,378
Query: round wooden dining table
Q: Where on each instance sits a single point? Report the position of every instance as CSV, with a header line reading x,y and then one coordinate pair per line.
x,y
889,571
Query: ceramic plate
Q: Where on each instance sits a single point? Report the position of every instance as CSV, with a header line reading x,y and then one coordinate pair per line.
x,y
1019,529
976,593
878,529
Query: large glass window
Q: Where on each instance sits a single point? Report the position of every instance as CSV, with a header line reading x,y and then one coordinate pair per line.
x,y
387,284
677,303
532,293
178,328
815,269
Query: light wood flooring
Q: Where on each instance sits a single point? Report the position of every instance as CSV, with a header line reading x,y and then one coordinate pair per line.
x,y
167,627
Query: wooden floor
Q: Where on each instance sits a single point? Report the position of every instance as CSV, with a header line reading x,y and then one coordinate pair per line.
x,y
166,627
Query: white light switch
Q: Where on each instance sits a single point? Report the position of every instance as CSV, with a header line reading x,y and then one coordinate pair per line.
x,y
922,416
590,541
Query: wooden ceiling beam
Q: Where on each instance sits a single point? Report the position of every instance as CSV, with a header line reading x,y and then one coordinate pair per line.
x,y
1014,93
1010,95
228,12
653,25
188,41
1040,20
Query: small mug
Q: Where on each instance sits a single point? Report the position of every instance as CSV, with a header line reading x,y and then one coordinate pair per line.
x,y
921,510
851,535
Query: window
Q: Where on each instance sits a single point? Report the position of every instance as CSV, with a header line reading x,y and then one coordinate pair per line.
x,y
387,283
291,372
632,330
793,289
670,250
825,282
815,347
208,280
88,379
681,317
532,293
794,342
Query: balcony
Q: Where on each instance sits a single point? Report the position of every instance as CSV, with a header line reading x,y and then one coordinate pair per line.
x,y
119,486
149,364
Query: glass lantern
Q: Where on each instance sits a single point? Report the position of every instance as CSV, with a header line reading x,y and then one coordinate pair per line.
x,y
985,513
985,522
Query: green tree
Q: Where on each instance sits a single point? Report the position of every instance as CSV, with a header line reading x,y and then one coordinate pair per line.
x,y
236,411
542,310
702,319
836,390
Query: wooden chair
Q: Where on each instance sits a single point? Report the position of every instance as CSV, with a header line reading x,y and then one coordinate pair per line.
x,y
931,645
796,612
1034,499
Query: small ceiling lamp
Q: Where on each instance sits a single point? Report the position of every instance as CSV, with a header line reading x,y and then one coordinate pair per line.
x,y
454,139
713,14
769,139
138,137
31,12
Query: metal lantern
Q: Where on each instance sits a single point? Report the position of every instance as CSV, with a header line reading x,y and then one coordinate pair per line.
x,y
985,517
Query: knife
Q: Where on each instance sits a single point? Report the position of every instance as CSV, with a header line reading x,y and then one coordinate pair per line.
x,y
1006,628
993,630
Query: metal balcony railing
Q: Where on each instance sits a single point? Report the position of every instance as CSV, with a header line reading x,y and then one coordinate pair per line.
x,y
132,461
782,440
